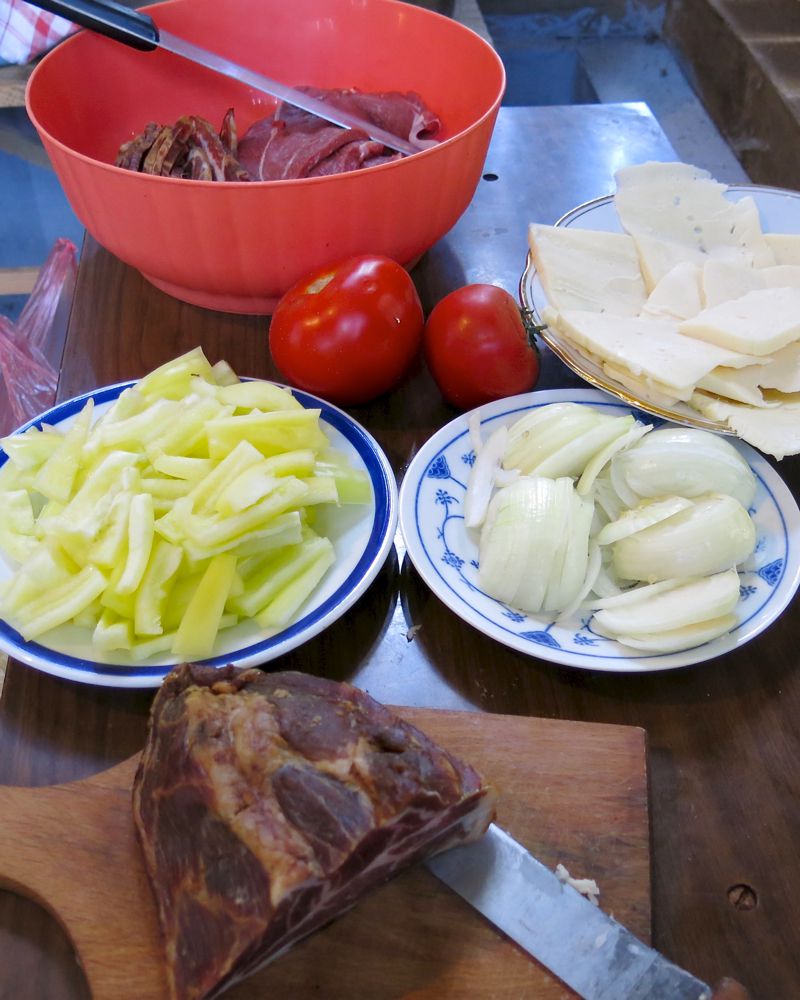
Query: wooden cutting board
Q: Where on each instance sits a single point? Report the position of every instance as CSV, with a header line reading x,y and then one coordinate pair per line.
x,y
574,793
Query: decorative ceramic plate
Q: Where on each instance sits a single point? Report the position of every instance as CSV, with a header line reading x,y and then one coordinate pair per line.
x,y
362,536
446,555
779,210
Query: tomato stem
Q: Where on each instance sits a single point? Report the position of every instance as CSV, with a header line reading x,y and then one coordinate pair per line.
x,y
532,328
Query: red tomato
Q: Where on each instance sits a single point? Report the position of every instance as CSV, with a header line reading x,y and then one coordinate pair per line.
x,y
478,347
348,332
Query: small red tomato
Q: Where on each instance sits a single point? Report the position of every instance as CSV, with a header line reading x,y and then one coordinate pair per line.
x,y
478,348
349,332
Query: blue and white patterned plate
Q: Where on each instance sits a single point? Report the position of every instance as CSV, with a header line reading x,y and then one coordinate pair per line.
x,y
446,555
362,535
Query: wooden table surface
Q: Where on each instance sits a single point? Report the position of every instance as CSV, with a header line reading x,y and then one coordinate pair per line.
x,y
724,737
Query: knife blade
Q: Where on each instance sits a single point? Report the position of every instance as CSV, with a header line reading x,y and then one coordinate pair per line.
x,y
572,937
138,30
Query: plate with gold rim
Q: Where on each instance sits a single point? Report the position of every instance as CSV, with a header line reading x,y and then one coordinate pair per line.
x,y
779,210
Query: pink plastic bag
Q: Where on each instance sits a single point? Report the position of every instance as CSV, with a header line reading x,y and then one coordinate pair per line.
x,y
28,379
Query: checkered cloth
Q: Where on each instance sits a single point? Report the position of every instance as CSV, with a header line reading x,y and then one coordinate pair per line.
x,y
26,31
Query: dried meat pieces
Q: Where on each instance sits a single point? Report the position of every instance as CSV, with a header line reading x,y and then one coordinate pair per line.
x,y
290,144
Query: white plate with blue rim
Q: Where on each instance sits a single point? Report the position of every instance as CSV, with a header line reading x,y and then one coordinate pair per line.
x,y
362,535
446,555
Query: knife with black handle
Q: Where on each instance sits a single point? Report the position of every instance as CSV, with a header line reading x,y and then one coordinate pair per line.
x,y
138,30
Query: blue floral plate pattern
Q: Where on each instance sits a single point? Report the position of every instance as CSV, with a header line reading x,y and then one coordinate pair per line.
x,y
446,555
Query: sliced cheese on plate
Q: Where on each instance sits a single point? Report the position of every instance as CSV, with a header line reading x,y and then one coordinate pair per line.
x,y
587,269
776,432
741,385
783,370
679,293
651,349
723,281
785,247
760,322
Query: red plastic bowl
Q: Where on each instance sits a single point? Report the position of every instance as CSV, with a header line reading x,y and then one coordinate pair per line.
x,y
238,246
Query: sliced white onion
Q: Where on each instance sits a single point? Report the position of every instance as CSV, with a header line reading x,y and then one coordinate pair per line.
x,y
593,567
525,542
675,640
474,428
714,534
640,517
482,478
545,430
683,461
599,461
696,601
633,595
567,579
571,458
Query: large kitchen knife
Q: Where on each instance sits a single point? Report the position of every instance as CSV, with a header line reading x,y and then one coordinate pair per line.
x,y
138,30
572,937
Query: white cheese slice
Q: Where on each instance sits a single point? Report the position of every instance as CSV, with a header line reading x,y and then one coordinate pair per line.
x,y
675,211
657,257
776,432
759,322
651,349
723,281
738,384
678,295
650,391
783,370
785,247
655,172
587,269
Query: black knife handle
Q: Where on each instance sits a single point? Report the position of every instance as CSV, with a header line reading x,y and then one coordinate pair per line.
x,y
114,20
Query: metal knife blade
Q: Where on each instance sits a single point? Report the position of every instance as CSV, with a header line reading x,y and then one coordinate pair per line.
x,y
580,944
180,47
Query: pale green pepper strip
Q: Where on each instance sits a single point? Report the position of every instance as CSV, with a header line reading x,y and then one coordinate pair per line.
x,y
31,449
109,547
210,531
56,477
163,643
140,541
181,466
187,434
141,428
17,527
285,529
299,462
321,489
61,603
223,373
353,484
246,489
273,432
276,572
279,612
112,632
205,493
172,379
164,562
264,396
199,626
